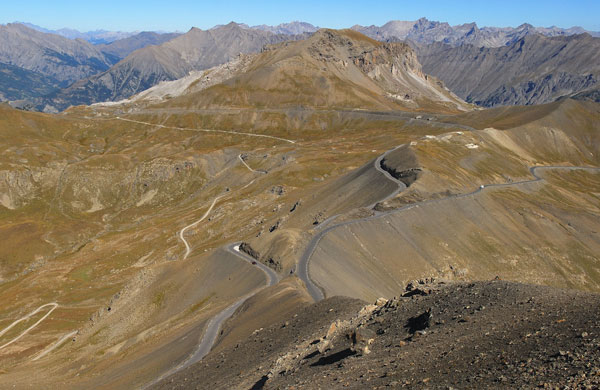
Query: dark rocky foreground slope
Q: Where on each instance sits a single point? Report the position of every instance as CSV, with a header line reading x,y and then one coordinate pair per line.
x,y
476,335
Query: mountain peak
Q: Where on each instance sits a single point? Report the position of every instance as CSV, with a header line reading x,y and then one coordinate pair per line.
x,y
525,26
333,69
291,28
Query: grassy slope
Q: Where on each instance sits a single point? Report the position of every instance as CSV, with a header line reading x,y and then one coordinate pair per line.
x,y
90,245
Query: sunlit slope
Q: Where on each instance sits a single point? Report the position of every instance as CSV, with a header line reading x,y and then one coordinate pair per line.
x,y
92,210
333,69
543,232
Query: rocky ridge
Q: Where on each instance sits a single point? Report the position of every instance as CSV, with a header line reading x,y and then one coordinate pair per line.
x,y
63,59
121,48
333,68
426,31
35,63
436,335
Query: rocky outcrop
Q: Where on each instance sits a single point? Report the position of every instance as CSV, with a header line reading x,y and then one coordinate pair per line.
x,y
402,164
499,334
351,336
407,176
247,249
271,261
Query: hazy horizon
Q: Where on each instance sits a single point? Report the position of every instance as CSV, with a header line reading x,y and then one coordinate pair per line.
x,y
181,15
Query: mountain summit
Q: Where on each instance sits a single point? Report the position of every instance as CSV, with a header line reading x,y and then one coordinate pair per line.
x,y
332,68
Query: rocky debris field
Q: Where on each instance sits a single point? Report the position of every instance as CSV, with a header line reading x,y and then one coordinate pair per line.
x,y
492,334
249,361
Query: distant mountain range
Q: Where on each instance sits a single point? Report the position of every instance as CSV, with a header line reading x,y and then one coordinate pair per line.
x,y
95,37
421,31
532,70
293,28
35,63
123,47
45,70
195,50
425,31
98,37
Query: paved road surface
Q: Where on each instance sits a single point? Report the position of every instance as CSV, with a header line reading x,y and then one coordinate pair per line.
x,y
210,335
317,293
214,326
212,330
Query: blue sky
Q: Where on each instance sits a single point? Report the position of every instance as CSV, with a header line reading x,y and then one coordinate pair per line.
x,y
130,15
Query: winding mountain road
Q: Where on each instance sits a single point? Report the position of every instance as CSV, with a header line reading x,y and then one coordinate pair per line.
x,y
212,330
378,166
25,318
188,249
248,166
211,333
214,325
317,293
209,130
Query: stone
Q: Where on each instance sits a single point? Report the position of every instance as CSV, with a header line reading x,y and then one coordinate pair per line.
x,y
420,322
381,301
324,346
362,338
332,329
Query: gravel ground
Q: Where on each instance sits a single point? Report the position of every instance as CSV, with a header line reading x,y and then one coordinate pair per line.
x,y
478,335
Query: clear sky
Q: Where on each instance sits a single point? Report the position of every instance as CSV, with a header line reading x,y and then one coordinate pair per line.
x,y
180,15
